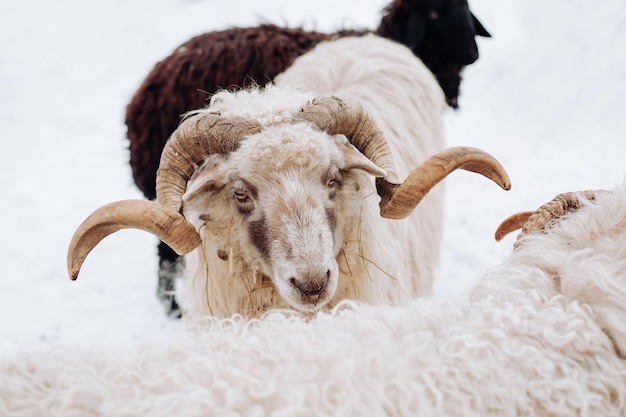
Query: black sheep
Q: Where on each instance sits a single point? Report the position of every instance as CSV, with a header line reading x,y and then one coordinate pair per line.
x,y
440,32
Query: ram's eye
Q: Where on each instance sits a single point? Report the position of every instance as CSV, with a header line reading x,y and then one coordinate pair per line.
x,y
244,202
333,184
241,196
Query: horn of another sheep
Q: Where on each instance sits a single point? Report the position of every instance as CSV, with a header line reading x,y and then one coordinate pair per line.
x,y
335,115
197,137
168,225
512,223
536,221
399,200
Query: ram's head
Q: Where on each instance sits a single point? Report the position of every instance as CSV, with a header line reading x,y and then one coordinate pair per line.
x,y
290,217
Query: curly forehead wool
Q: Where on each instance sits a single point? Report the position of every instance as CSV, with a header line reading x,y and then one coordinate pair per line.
x,y
285,146
282,143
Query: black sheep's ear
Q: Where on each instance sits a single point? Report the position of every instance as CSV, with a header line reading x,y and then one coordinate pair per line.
x,y
415,28
479,28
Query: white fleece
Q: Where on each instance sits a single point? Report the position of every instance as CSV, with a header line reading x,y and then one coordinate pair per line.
x,y
523,343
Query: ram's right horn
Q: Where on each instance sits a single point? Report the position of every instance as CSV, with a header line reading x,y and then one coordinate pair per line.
x,y
168,225
198,136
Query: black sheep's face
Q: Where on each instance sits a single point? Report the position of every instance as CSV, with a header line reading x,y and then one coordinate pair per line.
x,y
449,28
441,33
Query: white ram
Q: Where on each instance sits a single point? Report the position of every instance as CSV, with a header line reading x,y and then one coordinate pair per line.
x,y
278,183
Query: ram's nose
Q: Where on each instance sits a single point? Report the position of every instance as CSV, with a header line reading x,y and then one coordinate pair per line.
x,y
311,283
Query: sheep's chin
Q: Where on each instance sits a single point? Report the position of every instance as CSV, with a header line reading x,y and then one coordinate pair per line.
x,y
297,299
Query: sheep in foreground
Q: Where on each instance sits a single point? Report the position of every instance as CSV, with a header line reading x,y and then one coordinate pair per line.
x,y
279,185
578,242
440,32
522,343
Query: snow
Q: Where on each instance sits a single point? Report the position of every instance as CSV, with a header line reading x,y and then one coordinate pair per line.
x,y
545,98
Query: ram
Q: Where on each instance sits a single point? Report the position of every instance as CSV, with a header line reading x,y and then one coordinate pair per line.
x,y
277,191
541,334
440,32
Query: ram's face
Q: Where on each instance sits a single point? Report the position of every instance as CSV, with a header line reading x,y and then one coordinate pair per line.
x,y
282,200
290,222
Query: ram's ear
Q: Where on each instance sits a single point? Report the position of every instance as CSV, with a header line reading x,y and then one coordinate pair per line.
x,y
353,159
204,180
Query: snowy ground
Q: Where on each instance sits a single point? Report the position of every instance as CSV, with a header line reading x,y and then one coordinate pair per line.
x,y
545,98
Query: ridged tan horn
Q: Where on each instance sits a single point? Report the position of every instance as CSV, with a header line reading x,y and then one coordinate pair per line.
x,y
168,225
536,221
335,115
196,138
399,200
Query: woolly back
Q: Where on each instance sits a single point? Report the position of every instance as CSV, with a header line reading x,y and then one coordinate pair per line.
x,y
430,358
581,256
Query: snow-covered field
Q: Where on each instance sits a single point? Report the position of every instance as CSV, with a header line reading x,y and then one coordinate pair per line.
x,y
546,98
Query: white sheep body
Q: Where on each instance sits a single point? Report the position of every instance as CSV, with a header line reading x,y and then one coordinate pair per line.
x,y
583,258
518,345
382,261
430,357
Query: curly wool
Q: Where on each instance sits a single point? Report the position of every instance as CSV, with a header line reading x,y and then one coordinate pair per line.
x,y
542,334
282,142
517,355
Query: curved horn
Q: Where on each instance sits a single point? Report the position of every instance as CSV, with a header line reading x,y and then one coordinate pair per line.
x,y
512,223
197,137
168,225
536,221
399,200
335,115
205,133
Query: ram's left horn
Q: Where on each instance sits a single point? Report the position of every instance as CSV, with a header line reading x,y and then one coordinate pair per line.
x,y
168,225
399,200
